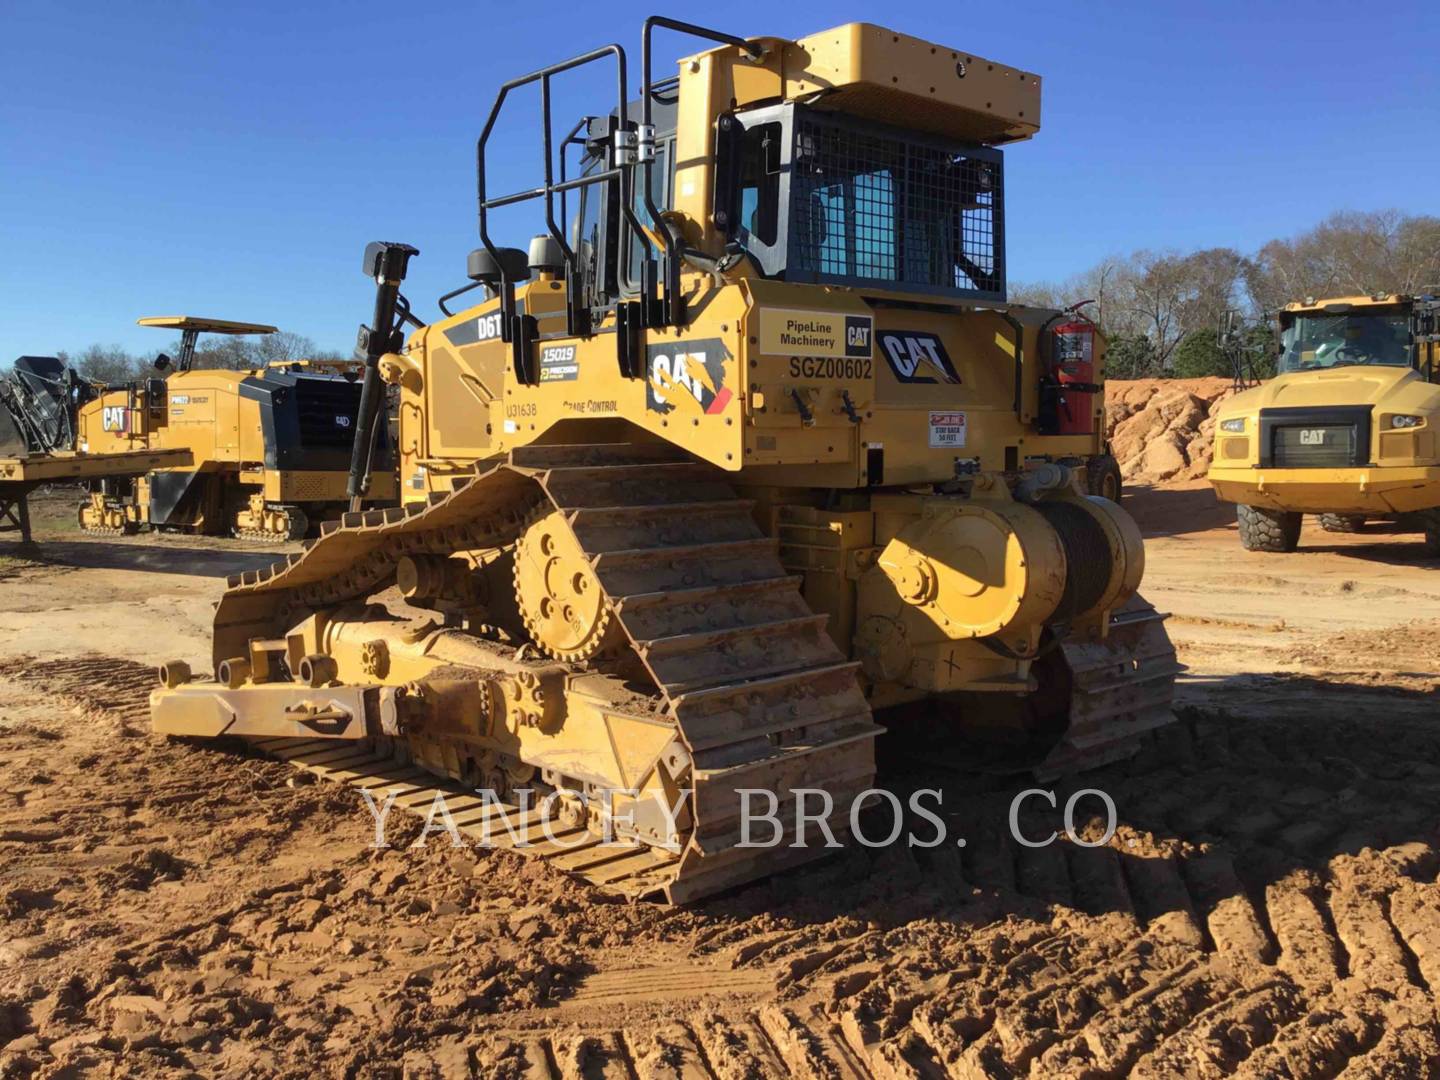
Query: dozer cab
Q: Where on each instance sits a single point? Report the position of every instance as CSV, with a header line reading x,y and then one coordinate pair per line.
x,y
751,456
270,446
1345,431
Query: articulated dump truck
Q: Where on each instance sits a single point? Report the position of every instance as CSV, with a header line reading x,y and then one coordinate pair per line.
x,y
749,463
1345,430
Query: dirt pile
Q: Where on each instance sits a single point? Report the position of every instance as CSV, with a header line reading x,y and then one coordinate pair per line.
x,y
1161,429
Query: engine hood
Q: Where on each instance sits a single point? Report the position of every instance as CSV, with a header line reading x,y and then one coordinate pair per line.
x,y
1395,389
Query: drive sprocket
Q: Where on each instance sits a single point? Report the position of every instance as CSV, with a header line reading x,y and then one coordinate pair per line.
x,y
560,599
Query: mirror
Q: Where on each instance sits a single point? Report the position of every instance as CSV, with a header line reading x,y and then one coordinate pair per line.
x,y
162,362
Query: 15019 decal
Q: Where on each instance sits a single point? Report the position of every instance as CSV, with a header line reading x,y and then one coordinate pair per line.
x,y
916,356
687,375
558,364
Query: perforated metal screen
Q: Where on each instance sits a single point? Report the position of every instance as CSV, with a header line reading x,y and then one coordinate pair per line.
x,y
1320,446
869,205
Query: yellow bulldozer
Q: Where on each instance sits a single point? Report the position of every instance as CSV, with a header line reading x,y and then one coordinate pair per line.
x,y
269,446
752,460
1346,430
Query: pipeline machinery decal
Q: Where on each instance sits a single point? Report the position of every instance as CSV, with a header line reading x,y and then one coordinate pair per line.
x,y
815,333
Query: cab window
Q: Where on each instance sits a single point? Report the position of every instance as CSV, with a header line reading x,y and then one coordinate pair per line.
x,y
1310,342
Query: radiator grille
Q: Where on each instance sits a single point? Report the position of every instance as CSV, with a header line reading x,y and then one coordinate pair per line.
x,y
1315,446
326,410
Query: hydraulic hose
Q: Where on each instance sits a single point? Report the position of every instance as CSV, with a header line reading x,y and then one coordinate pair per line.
x,y
386,263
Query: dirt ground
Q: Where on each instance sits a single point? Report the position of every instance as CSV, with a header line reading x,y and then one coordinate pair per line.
x,y
1268,906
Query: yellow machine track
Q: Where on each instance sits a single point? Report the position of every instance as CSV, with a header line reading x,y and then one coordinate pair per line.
x,y
85,513
1120,689
729,654
736,661
297,524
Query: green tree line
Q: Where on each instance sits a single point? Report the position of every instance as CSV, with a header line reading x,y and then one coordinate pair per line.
x,y
1161,310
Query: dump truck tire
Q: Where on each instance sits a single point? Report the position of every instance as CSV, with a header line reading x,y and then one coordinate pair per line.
x,y
1431,521
1342,523
1268,530
1102,477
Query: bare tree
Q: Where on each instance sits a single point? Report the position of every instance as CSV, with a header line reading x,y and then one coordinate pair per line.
x,y
223,351
1039,294
1349,253
1216,285
241,353
108,364
1096,284
282,346
1152,290
1099,284
1417,255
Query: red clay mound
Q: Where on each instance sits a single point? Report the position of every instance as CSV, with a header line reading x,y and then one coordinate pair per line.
x,y
1160,429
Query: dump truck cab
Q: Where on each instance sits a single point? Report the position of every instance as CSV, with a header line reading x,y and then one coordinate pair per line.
x,y
1345,430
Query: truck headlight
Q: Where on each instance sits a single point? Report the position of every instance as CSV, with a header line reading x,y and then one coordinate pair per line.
x,y
1237,424
1404,420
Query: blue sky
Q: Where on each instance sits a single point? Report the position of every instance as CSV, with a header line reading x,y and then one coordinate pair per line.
x,y
232,159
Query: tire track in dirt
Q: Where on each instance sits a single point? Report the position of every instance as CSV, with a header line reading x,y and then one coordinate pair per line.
x,y
1260,872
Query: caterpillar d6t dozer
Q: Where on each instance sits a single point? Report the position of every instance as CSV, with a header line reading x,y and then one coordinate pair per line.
x,y
749,461
269,446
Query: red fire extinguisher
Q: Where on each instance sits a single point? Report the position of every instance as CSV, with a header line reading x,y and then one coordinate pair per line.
x,y
1073,352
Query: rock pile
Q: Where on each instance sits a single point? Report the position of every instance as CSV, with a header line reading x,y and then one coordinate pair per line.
x,y
1162,429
